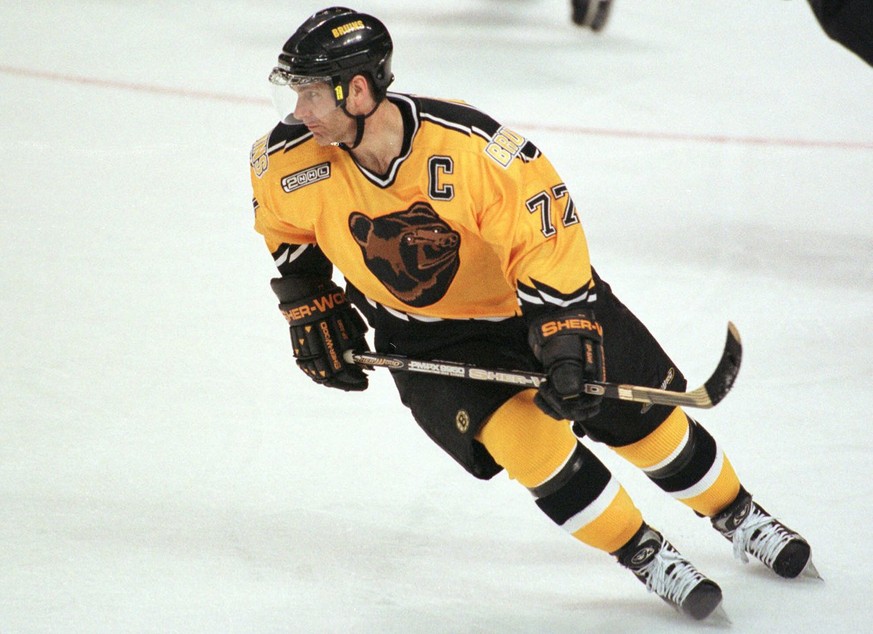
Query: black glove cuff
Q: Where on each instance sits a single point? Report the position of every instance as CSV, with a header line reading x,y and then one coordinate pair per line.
x,y
291,288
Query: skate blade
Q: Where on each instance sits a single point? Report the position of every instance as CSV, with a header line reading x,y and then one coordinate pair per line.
x,y
811,571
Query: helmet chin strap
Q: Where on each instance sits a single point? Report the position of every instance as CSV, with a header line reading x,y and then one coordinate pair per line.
x,y
359,126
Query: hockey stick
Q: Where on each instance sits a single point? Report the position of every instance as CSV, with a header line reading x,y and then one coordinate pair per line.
x,y
707,395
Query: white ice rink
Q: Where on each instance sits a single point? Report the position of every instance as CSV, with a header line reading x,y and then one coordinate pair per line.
x,y
165,468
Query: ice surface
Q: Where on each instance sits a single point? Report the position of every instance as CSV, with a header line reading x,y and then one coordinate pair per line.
x,y
165,468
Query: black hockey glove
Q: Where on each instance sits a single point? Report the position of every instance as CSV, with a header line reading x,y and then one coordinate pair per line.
x,y
323,326
569,344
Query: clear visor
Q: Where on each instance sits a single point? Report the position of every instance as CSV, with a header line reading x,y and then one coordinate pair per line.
x,y
302,99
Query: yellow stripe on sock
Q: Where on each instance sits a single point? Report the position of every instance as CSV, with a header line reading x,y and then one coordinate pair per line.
x,y
613,527
719,494
660,444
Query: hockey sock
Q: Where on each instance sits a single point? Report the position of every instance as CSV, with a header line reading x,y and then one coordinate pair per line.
x,y
570,484
684,460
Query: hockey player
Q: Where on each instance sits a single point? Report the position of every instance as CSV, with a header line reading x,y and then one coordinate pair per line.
x,y
592,14
849,22
458,241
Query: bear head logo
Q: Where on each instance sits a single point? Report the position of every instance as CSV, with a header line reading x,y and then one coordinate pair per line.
x,y
414,253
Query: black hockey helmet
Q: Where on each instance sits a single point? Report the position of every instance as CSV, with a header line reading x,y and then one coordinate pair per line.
x,y
336,44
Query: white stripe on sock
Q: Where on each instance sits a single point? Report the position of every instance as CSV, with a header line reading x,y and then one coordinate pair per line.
x,y
591,512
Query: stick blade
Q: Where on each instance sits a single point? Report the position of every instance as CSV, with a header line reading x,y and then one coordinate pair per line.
x,y
725,374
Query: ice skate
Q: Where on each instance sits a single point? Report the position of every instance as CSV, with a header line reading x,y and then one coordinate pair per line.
x,y
668,574
592,14
755,532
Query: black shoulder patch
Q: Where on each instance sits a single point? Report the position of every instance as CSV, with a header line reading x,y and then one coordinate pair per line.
x,y
472,121
284,137
457,115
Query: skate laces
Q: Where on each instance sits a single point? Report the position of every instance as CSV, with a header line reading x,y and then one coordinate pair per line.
x,y
760,535
670,575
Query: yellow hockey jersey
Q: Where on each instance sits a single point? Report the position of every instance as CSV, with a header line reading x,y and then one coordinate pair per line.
x,y
471,220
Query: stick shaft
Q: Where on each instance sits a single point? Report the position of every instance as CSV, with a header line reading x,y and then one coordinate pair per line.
x,y
704,397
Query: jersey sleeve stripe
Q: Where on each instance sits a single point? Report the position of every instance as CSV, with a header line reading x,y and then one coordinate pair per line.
x,y
289,254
